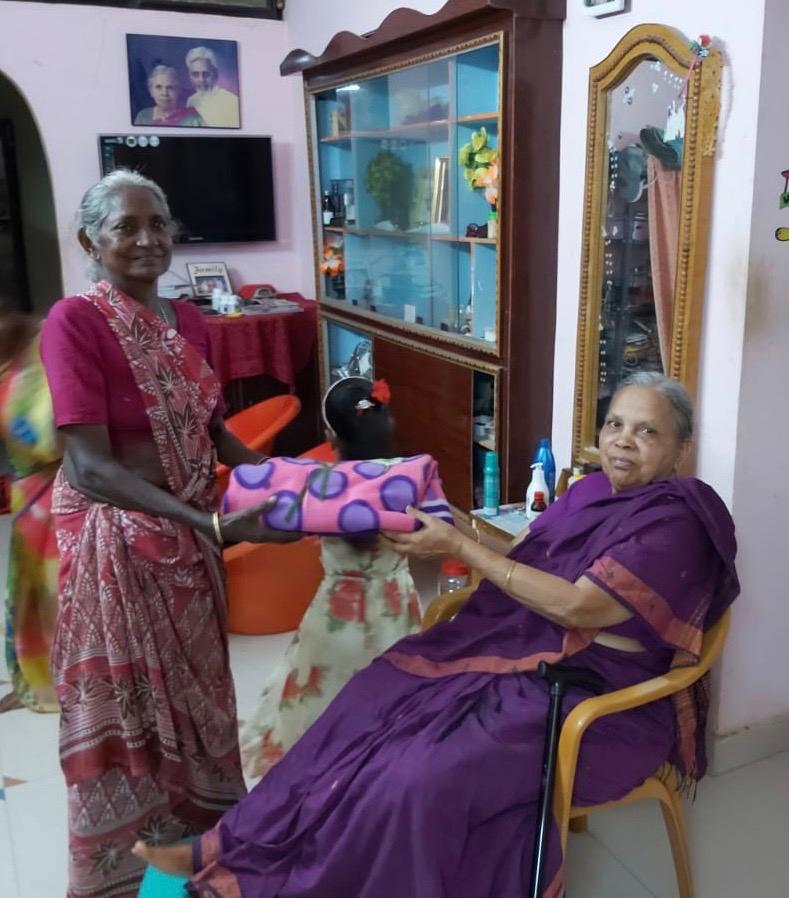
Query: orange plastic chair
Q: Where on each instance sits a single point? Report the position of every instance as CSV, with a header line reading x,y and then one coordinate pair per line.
x,y
269,586
258,426
662,785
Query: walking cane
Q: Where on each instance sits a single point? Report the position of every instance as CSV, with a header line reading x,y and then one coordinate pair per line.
x,y
558,679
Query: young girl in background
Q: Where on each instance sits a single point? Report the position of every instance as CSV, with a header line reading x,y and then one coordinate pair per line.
x,y
365,603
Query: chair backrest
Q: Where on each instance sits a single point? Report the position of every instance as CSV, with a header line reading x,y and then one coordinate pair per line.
x,y
260,423
591,709
714,640
322,452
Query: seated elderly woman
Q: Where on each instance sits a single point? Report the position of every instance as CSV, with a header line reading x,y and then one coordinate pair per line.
x,y
421,779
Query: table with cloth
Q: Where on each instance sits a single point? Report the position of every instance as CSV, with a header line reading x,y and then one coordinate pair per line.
x,y
277,345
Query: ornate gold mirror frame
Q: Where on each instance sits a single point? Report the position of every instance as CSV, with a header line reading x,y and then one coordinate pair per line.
x,y
652,44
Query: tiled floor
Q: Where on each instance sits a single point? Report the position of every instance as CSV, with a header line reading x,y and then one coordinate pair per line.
x,y
738,826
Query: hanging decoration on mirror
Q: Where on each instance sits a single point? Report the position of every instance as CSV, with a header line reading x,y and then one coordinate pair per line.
x,y
783,199
701,50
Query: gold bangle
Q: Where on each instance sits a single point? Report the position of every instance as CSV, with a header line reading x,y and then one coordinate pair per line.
x,y
217,528
507,579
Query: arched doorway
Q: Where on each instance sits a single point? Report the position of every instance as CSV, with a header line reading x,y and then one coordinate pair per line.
x,y
29,254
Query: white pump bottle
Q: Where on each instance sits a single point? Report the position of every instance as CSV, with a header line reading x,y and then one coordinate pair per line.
x,y
537,485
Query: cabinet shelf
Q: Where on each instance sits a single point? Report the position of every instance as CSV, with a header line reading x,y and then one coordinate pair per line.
x,y
413,130
489,445
407,235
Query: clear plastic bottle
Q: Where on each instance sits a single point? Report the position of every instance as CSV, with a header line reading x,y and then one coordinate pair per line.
x,y
454,575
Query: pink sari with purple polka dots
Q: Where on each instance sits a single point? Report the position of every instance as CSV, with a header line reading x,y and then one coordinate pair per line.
x,y
341,499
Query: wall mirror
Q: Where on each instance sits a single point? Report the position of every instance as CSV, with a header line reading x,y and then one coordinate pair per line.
x,y
652,128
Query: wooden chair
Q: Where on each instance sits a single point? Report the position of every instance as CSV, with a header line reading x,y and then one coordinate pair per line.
x,y
662,785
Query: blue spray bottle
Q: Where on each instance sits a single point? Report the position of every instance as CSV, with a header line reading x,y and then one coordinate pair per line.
x,y
490,485
545,456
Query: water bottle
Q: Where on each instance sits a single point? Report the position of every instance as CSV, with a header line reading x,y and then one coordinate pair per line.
x,y
490,485
545,456
454,575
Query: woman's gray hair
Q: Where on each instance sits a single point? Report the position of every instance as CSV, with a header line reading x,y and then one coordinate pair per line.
x,y
161,70
677,396
97,203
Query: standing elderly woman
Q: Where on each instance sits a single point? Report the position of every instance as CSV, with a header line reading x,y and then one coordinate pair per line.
x,y
421,780
165,90
148,735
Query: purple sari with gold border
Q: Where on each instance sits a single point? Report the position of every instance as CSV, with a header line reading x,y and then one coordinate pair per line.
x,y
421,780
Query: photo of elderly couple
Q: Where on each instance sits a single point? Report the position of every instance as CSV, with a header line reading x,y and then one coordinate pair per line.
x,y
183,82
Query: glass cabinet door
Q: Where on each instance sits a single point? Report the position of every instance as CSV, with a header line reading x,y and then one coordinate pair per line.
x,y
406,233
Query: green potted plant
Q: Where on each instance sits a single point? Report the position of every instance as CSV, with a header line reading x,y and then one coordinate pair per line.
x,y
388,180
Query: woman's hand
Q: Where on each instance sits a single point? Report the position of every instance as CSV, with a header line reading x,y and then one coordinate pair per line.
x,y
247,527
435,537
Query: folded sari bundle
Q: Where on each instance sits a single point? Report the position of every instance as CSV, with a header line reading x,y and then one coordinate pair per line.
x,y
339,499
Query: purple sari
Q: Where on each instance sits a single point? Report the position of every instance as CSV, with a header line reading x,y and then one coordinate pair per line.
x,y
421,779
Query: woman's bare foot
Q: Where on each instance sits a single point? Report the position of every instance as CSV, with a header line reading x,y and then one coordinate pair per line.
x,y
10,702
173,859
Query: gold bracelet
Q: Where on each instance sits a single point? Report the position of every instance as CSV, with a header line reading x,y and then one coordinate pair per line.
x,y
507,579
217,528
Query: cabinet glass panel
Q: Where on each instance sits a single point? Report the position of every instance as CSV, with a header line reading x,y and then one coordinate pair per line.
x,y
349,352
406,182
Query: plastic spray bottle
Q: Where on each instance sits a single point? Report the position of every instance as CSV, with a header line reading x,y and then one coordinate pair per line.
x,y
490,485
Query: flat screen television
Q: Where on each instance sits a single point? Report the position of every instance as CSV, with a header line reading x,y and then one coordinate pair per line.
x,y
220,189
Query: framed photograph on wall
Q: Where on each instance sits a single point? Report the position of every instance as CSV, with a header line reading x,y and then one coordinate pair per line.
x,y
205,277
183,82
602,7
258,9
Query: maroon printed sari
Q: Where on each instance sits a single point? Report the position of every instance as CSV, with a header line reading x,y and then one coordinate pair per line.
x,y
421,779
148,735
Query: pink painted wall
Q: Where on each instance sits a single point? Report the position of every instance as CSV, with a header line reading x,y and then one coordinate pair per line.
x,y
740,32
70,64
754,682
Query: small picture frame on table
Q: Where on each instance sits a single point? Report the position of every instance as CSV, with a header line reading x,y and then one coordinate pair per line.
x,y
205,277
602,7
